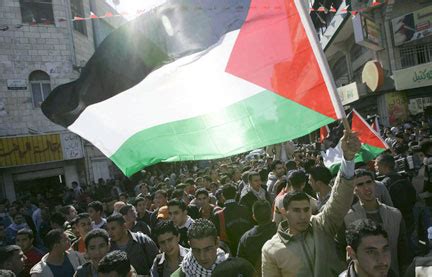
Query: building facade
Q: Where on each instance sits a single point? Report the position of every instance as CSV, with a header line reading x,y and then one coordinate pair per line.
x,y
41,48
379,54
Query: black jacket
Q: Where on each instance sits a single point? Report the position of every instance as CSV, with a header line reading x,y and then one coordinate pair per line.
x,y
238,220
249,199
253,240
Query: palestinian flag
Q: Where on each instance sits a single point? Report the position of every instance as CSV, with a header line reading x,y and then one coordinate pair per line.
x,y
372,144
200,79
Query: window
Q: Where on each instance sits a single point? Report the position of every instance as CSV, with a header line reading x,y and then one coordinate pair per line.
x,y
37,11
77,9
415,55
40,87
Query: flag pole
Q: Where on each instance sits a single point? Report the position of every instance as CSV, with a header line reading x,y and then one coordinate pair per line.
x,y
322,62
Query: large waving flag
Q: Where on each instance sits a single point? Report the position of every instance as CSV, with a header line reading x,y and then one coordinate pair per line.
x,y
200,79
372,144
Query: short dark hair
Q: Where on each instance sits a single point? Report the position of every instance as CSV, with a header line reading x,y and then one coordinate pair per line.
x,y
82,216
229,192
201,191
58,219
234,266
290,165
53,237
296,178
252,174
116,261
138,199
96,233
321,173
163,192
202,228
164,227
189,181
361,228
116,218
363,172
96,205
26,231
294,196
274,164
261,210
387,160
125,209
6,253
180,203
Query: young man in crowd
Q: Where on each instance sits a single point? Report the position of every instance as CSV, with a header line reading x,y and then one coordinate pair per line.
x,y
202,198
304,244
83,226
254,191
277,172
95,210
18,224
141,208
25,239
59,261
115,264
390,218
368,249
160,199
319,179
12,258
130,216
172,254
233,220
140,248
251,242
97,246
205,253
178,214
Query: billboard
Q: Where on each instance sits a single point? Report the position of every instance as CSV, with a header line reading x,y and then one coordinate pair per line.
x,y
412,26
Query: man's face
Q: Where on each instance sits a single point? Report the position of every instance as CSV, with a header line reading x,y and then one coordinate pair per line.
x,y
93,213
204,251
17,262
97,248
372,257
131,215
279,170
19,219
159,200
202,200
83,226
365,188
72,214
380,168
177,216
123,198
298,215
141,207
313,183
64,243
168,243
144,190
24,242
255,182
115,230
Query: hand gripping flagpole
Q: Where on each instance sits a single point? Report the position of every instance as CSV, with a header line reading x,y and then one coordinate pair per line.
x,y
322,61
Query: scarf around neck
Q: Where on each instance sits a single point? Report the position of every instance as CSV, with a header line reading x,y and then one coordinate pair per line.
x,y
191,267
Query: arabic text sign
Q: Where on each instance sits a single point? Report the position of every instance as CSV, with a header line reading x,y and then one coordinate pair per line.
x,y
25,150
72,147
413,77
348,93
412,26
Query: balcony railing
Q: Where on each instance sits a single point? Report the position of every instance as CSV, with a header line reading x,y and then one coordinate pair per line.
x,y
415,55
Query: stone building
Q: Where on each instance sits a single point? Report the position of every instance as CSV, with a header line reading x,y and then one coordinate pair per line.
x,y
41,48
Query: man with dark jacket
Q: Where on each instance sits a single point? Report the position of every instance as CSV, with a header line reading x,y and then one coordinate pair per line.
x,y
140,248
252,241
254,191
233,220
400,188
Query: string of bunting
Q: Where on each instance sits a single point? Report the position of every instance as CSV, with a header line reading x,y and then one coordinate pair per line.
x,y
374,4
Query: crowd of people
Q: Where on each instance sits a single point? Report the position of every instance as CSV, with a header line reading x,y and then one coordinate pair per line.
x,y
267,214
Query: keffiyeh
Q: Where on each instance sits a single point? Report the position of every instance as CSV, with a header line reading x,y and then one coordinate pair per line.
x,y
191,267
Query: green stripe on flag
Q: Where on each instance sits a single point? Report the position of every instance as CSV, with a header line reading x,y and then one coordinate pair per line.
x,y
263,119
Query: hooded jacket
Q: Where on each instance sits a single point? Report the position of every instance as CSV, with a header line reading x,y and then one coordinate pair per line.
x,y
313,252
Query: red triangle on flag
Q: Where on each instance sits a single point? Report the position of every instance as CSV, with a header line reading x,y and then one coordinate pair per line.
x,y
280,57
365,132
324,132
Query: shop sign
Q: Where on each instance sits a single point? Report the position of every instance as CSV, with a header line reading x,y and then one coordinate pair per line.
x,y
413,77
348,93
26,150
16,84
72,146
373,75
417,105
413,26
367,32
397,107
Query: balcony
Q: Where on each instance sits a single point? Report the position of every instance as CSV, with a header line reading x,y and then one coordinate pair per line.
x,y
413,55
